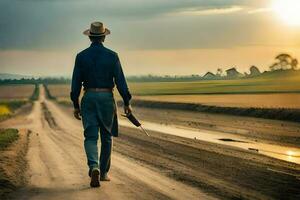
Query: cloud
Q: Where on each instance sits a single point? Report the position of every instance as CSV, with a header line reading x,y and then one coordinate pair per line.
x,y
211,11
259,10
135,24
41,36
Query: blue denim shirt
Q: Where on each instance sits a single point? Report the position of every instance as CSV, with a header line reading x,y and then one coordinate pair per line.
x,y
98,67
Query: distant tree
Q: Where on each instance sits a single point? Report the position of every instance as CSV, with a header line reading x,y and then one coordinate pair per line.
x,y
219,72
294,64
254,71
274,67
284,61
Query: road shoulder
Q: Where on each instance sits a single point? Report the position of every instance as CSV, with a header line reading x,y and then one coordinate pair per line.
x,y
13,165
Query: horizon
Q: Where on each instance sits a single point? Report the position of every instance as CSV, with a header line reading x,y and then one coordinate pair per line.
x,y
158,37
224,75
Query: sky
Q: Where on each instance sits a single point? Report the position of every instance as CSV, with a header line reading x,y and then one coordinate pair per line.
x,y
160,37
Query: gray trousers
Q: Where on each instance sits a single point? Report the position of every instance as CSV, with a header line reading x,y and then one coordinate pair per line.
x,y
98,111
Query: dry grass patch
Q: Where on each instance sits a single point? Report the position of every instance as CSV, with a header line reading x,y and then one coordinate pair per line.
x,y
9,92
13,149
233,100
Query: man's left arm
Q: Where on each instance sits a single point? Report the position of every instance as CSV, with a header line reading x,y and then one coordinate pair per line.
x,y
76,88
122,85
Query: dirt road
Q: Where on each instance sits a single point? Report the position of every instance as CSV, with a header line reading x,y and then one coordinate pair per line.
x,y
57,164
162,166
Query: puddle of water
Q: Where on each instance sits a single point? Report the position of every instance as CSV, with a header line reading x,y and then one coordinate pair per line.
x,y
290,154
231,140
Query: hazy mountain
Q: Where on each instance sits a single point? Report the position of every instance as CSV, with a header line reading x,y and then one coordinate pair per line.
x,y
4,76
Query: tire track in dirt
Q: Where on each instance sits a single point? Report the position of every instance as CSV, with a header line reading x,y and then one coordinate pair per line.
x,y
57,165
223,170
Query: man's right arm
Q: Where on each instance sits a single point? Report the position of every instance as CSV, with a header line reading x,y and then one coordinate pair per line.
x,y
76,87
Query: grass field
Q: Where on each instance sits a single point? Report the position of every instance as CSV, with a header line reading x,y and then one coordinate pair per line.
x,y
271,90
8,92
274,82
59,90
13,97
8,107
285,100
7,136
35,94
4,110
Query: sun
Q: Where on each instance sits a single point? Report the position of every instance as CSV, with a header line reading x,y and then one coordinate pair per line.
x,y
288,11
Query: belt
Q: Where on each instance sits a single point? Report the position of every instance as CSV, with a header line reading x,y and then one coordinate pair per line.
x,y
99,89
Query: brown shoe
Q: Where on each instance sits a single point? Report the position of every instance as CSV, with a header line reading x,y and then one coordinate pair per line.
x,y
104,177
95,178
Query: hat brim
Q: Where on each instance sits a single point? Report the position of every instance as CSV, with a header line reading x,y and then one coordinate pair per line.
x,y
88,33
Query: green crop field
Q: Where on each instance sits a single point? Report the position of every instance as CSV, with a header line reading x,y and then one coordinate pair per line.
x,y
279,89
273,82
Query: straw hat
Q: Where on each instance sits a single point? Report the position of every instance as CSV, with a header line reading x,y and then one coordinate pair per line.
x,y
96,29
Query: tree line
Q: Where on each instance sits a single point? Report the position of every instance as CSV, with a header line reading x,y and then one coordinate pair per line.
x,y
282,62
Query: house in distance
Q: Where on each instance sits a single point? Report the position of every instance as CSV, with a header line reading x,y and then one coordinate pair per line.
x,y
209,76
233,73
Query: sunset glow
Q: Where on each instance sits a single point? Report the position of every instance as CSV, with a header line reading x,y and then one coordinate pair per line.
x,y
288,11
290,153
151,37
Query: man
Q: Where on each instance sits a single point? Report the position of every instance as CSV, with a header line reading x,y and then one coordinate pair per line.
x,y
98,69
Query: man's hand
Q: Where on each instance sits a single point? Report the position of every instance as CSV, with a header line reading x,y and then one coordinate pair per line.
x,y
77,114
127,110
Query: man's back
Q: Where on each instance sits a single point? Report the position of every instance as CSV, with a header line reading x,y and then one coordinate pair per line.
x,y
97,65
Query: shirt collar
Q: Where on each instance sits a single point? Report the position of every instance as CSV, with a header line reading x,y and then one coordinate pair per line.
x,y
93,44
